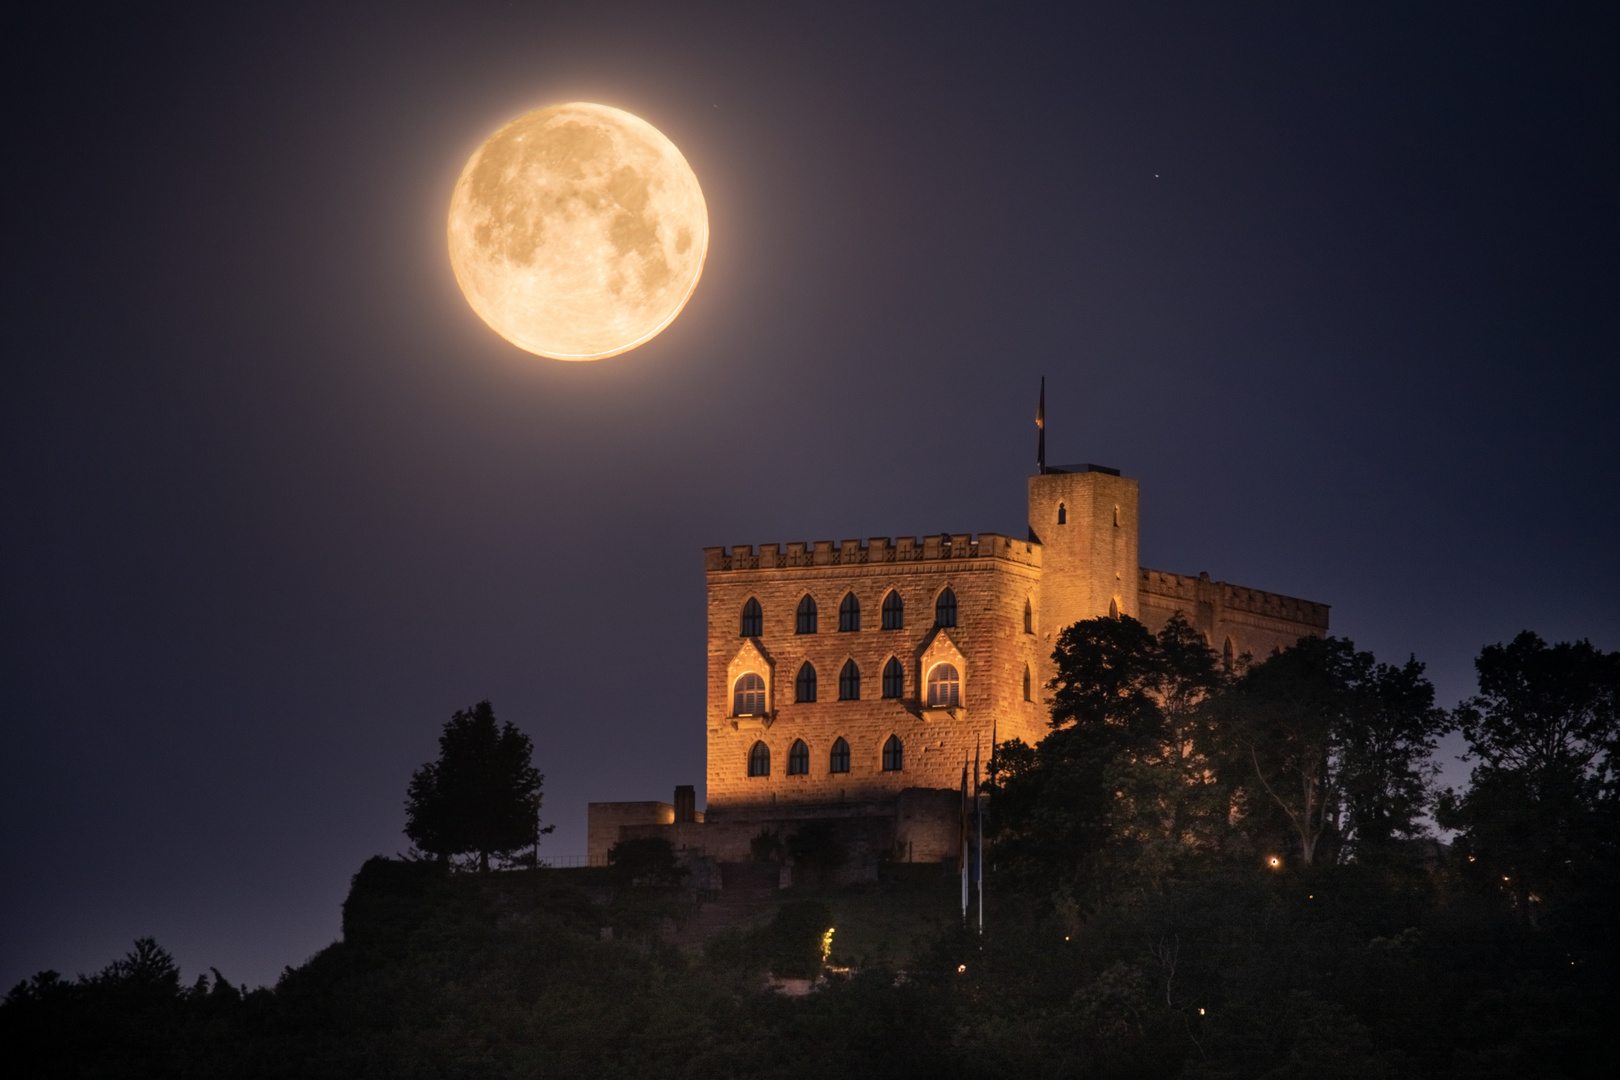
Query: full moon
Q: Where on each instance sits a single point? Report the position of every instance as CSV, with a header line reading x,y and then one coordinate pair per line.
x,y
578,231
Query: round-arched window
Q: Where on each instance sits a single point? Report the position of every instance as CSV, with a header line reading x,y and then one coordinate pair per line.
x,y
749,698
944,687
798,758
759,760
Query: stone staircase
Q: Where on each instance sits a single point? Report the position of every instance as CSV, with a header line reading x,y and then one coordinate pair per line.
x,y
743,886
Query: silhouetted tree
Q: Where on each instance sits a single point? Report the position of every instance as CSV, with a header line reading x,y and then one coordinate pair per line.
x,y
1541,805
482,797
1338,742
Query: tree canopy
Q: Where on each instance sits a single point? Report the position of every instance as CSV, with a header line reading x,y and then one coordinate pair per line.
x,y
482,797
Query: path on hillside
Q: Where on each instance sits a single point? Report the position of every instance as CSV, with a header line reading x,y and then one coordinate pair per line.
x,y
743,887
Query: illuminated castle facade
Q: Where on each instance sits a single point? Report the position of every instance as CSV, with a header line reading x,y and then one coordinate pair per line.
x,y
851,680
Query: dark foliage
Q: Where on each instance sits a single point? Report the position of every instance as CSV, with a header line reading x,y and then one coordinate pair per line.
x,y
1133,930
482,797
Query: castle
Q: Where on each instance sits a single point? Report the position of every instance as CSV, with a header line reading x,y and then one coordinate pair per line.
x,y
850,681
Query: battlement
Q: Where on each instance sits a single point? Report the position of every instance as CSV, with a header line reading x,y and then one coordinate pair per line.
x,y
879,549
1233,597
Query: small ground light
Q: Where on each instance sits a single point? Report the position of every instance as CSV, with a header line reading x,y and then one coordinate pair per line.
x,y
1274,862
960,968
1200,1010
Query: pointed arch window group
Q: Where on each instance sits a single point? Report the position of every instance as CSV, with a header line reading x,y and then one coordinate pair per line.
x,y
892,758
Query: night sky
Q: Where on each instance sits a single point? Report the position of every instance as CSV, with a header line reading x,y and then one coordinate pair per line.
x,y
1337,286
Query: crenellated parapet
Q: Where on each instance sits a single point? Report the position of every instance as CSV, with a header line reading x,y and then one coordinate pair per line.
x,y
877,550
1233,598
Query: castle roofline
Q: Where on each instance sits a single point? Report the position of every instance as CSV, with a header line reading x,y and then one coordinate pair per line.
x,y
1108,469
878,549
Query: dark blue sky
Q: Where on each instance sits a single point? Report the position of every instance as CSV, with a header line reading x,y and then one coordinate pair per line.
x,y
1338,285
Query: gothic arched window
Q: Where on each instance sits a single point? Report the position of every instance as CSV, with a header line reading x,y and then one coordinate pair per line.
x,y
798,758
1113,609
753,620
894,611
944,687
849,614
759,760
1029,618
945,609
749,699
805,622
1026,682
894,679
804,686
894,754
838,760
849,682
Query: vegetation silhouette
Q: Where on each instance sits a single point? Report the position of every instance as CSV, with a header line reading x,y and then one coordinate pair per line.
x,y
1197,873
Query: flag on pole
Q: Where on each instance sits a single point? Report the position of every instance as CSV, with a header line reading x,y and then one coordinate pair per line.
x,y
1040,427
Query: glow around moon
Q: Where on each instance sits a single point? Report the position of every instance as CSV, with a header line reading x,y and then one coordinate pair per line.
x,y
578,231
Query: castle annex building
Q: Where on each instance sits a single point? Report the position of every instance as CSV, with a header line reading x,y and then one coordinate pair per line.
x,y
849,680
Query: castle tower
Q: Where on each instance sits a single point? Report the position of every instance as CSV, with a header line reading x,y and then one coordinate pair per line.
x,y
1085,519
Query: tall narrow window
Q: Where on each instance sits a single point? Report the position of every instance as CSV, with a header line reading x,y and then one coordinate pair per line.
x,y
1063,514
753,620
749,699
804,686
1029,618
849,682
1226,656
1026,682
944,687
1116,515
894,679
945,609
894,754
894,612
849,614
798,758
838,760
805,623
759,760
1113,609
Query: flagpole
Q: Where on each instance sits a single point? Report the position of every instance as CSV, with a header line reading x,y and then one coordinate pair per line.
x,y
978,813
1040,425
964,841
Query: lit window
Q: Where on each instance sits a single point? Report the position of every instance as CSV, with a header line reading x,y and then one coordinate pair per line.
x,y
894,679
894,755
749,699
944,687
753,620
945,609
798,758
1026,682
849,682
838,760
849,614
804,687
1063,514
1029,618
894,612
806,621
759,760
